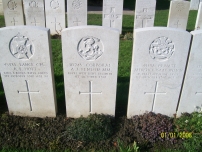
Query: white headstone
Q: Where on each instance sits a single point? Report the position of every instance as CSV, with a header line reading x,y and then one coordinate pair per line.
x,y
34,12
90,62
194,4
158,65
112,15
55,15
144,13
13,12
76,12
1,8
191,97
178,14
27,71
198,25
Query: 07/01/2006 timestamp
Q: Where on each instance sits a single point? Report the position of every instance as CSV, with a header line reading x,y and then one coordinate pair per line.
x,y
182,135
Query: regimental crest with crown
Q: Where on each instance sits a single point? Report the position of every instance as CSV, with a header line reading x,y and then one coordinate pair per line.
x,y
21,47
161,49
90,48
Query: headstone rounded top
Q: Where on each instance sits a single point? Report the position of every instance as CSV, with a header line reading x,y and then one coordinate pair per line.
x,y
25,27
91,27
196,32
159,29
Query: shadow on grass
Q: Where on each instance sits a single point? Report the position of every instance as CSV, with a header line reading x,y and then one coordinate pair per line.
x,y
127,30
3,104
160,4
122,96
60,94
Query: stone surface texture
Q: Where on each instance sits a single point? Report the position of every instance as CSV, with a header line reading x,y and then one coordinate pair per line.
x,y
13,12
55,16
112,14
76,12
191,97
158,65
144,13
90,63
27,71
178,14
194,4
1,8
34,12
198,24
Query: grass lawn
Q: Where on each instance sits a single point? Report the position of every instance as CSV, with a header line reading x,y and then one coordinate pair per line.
x,y
188,123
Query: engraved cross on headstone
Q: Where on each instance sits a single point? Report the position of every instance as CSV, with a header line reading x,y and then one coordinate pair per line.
x,y
198,93
29,94
177,24
14,21
144,17
77,22
90,93
35,22
57,24
154,93
112,16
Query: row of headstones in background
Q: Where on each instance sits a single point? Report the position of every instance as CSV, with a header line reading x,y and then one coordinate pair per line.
x,y
55,13
145,14
90,63
35,15
13,12
112,14
54,10
178,14
194,4
77,13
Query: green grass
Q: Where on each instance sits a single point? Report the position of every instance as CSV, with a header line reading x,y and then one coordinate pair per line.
x,y
191,124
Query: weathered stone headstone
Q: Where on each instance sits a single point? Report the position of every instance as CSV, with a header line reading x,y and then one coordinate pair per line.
x,y
178,14
27,71
55,15
158,65
194,4
90,61
76,12
1,8
144,13
13,12
198,25
112,14
191,96
34,12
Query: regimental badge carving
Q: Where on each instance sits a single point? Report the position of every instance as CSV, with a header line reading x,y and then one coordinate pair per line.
x,y
12,5
76,4
33,4
54,4
180,7
21,47
90,48
161,49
